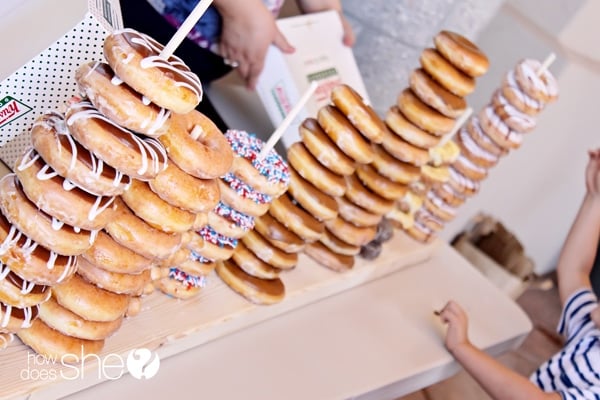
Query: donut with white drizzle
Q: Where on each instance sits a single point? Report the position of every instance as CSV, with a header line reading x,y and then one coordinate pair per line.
x,y
139,157
169,83
18,292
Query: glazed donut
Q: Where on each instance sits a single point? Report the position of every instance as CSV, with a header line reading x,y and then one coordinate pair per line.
x,y
13,319
437,207
323,149
420,233
404,151
322,255
344,135
253,265
498,131
131,232
258,291
242,197
462,53
462,184
197,146
423,116
200,221
296,219
541,87
379,184
278,235
449,195
436,96
446,74
37,225
358,194
135,58
409,131
229,222
310,169
469,169
89,301
6,339
317,203
390,167
197,265
511,116
107,254
60,198
410,202
355,214
155,211
445,154
482,140
68,323
178,257
119,102
269,175
471,150
212,245
358,112
514,95
426,218
138,157
350,233
185,191
31,261
337,245
269,253
431,175
54,143
18,292
420,187
116,282
57,346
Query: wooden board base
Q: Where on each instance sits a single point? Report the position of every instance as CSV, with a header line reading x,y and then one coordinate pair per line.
x,y
170,326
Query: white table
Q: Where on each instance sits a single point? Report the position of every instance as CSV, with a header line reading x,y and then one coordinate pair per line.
x,y
377,341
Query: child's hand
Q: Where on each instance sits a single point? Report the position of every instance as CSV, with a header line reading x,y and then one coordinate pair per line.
x,y
456,336
592,173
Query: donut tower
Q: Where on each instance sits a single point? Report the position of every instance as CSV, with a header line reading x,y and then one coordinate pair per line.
x,y
497,129
416,151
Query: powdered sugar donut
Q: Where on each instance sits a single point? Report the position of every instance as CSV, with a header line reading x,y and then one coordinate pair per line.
x,y
135,58
268,175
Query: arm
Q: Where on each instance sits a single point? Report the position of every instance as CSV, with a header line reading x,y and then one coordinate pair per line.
x,y
500,382
579,250
311,6
248,30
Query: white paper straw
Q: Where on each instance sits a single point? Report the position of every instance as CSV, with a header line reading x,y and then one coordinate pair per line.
x,y
185,28
457,125
547,62
289,118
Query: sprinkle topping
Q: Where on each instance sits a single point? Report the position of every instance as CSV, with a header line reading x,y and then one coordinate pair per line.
x,y
246,191
210,235
241,220
191,281
248,146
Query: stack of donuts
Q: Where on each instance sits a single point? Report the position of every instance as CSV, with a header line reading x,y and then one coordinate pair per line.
x,y
425,113
85,174
491,134
253,264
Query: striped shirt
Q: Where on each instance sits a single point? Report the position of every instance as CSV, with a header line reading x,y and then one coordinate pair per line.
x,y
574,372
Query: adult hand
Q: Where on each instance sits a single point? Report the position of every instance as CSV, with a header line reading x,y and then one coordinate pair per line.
x,y
248,30
456,318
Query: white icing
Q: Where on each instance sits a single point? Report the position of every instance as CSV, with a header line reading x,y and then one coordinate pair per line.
x,y
440,203
545,83
115,80
502,128
462,180
470,165
6,316
473,148
516,118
